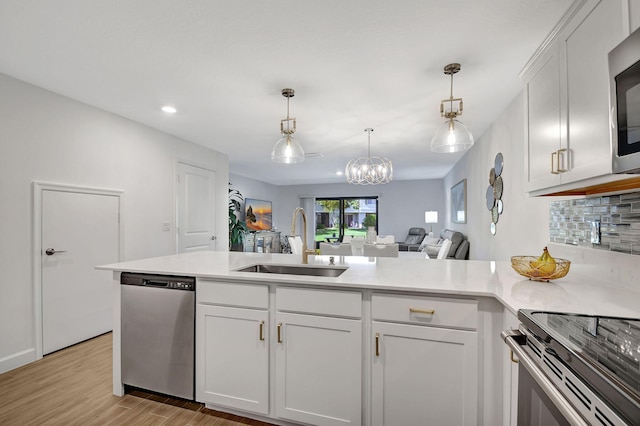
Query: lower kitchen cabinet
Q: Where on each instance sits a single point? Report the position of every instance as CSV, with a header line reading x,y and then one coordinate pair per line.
x,y
318,369
510,376
424,364
423,375
235,354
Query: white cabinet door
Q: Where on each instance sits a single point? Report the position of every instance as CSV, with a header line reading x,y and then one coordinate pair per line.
x,y
234,351
543,125
566,92
584,45
318,369
510,376
634,15
423,376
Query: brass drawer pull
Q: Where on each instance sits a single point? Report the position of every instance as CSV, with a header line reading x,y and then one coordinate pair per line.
x,y
422,311
261,330
279,333
377,344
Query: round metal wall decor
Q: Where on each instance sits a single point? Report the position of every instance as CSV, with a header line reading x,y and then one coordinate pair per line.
x,y
494,191
498,163
490,198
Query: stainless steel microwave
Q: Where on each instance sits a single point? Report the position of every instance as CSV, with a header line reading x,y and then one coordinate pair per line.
x,y
624,72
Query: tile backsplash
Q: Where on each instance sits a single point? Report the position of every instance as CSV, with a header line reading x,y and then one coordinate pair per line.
x,y
571,222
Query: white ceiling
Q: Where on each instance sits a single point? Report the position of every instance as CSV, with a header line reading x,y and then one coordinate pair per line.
x,y
352,63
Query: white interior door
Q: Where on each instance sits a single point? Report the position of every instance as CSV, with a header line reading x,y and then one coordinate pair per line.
x,y
196,208
79,231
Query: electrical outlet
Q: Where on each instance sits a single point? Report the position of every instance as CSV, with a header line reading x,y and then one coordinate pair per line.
x,y
166,226
595,232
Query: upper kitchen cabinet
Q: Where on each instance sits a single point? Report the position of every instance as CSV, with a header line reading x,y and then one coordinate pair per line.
x,y
566,92
634,15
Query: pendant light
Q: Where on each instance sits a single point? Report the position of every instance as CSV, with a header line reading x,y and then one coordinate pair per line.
x,y
369,170
452,135
287,149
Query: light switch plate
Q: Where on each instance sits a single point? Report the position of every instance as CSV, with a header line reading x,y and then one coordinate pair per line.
x,y
166,226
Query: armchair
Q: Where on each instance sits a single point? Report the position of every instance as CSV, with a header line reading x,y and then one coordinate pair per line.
x,y
412,240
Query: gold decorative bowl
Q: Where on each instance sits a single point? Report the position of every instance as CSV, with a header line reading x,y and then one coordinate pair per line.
x,y
522,265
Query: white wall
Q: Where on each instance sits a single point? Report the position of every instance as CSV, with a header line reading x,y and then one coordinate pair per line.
x,y
523,227
252,188
50,138
401,203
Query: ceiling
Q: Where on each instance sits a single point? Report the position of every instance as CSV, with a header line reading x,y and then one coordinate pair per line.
x,y
353,64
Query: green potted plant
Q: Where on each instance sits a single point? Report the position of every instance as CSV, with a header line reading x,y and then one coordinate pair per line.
x,y
237,227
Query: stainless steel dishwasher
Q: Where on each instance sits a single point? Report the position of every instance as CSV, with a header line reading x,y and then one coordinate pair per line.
x,y
158,333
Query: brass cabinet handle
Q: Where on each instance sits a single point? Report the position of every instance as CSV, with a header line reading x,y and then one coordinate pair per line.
x,y
554,154
558,164
512,358
557,170
279,334
422,311
377,344
261,330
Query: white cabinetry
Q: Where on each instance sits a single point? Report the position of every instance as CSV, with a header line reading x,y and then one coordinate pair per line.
x,y
567,98
634,15
424,361
510,376
318,356
307,351
232,354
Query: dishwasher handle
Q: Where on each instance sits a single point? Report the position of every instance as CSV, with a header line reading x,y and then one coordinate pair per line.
x,y
152,283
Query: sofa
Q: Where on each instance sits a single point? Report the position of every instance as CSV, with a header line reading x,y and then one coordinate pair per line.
x,y
413,239
459,245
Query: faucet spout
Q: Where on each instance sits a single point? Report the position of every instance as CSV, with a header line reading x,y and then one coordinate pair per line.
x,y
305,251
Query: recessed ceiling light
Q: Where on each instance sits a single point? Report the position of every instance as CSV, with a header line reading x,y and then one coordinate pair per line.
x,y
169,109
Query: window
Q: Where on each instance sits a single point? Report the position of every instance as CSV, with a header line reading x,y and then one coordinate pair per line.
x,y
340,216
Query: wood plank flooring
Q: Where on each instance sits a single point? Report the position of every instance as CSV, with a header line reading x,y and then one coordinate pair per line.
x,y
73,387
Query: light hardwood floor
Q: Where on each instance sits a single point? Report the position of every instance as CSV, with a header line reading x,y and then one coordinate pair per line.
x,y
73,387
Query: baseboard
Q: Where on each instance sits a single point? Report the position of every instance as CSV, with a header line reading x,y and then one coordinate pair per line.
x,y
17,359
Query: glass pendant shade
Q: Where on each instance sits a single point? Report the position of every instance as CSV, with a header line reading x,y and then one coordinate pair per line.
x,y
452,136
287,150
369,170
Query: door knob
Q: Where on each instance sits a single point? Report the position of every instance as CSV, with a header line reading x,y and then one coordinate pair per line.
x,y
51,251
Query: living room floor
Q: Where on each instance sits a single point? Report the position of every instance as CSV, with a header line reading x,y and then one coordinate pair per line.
x,y
73,387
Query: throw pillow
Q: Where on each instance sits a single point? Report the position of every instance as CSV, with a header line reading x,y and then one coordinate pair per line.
x,y
428,241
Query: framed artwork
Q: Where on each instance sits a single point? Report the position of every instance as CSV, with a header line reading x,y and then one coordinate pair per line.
x,y
459,202
258,214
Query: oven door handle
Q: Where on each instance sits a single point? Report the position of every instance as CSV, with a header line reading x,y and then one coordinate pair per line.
x,y
567,410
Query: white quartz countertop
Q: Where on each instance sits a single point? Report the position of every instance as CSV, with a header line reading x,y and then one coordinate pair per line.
x,y
587,289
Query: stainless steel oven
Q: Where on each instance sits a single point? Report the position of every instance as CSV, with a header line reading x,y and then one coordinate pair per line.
x,y
624,72
576,369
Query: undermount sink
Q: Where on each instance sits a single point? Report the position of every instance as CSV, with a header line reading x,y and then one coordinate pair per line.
x,y
316,271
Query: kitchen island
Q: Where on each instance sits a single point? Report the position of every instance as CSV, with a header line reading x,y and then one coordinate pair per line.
x,y
388,341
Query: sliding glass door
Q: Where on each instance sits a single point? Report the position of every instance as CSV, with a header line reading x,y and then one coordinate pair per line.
x,y
340,216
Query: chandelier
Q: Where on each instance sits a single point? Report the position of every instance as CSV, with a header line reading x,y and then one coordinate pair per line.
x,y
452,135
287,149
369,170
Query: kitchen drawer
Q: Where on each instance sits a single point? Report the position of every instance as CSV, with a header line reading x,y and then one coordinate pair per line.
x,y
447,312
319,302
232,294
